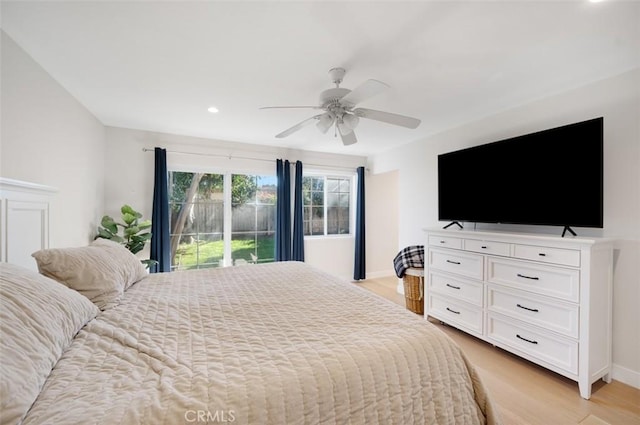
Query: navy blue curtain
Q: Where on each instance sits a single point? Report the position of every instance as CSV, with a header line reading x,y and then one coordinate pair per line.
x,y
359,269
297,253
160,239
283,211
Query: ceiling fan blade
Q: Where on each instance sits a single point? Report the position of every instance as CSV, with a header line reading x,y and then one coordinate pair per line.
x,y
297,127
387,117
349,138
290,107
364,91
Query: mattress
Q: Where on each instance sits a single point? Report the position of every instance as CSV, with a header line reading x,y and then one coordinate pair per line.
x,y
279,343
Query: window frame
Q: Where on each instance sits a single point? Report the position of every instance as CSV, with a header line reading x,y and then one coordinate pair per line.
x,y
352,177
227,173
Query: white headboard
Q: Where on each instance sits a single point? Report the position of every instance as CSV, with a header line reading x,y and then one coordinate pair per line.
x,y
24,220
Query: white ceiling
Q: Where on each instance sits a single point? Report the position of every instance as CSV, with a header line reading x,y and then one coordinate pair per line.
x,y
159,65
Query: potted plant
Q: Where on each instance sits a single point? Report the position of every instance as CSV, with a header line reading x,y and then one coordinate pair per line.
x,y
135,232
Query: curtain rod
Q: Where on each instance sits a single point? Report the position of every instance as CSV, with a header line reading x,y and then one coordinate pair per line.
x,y
229,156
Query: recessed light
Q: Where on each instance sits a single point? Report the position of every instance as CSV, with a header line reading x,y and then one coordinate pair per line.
x,y
212,109
596,1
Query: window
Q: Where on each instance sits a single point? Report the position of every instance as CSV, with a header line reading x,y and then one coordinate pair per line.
x,y
326,203
196,204
221,219
253,218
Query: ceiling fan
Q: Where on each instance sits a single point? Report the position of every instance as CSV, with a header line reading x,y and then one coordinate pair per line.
x,y
339,109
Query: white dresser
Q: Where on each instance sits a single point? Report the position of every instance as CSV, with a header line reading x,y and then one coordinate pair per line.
x,y
542,297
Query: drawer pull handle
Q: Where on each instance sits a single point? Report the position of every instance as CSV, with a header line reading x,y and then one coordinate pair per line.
x,y
453,262
542,254
443,241
451,286
535,310
528,277
453,311
483,247
528,340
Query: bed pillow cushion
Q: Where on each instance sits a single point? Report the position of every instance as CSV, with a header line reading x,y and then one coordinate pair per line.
x,y
101,271
38,320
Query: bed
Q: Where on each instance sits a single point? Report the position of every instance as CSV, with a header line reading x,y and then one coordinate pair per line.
x,y
94,339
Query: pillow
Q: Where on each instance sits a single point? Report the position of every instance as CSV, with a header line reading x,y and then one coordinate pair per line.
x,y
100,271
39,318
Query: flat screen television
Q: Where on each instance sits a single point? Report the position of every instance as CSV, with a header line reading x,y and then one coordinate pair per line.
x,y
552,177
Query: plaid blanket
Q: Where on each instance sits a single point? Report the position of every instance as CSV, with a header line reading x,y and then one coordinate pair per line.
x,y
409,257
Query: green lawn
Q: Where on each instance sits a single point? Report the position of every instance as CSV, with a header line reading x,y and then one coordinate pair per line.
x,y
211,253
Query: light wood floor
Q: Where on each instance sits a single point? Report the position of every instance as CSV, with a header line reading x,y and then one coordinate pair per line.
x,y
527,394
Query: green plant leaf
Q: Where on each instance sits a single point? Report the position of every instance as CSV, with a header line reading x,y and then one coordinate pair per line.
x,y
149,263
104,233
128,218
130,238
130,231
136,246
144,224
126,209
109,224
117,238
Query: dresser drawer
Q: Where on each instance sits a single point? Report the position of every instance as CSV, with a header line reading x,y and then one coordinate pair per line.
x,y
565,257
558,316
445,241
487,247
463,263
539,278
455,313
556,351
456,287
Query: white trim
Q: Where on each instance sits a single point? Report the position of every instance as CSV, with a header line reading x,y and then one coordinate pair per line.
x,y
626,376
227,227
23,186
24,220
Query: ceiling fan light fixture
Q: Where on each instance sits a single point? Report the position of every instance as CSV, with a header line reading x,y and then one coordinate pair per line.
x,y
344,129
351,121
325,122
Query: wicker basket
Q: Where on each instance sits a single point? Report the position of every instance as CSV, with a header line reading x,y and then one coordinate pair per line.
x,y
414,290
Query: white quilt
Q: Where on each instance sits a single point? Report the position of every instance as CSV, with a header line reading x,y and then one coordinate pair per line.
x,y
268,344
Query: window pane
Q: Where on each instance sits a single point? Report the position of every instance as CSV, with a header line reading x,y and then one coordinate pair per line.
x,y
337,193
266,190
343,217
318,184
318,213
197,215
333,199
317,198
317,227
332,221
344,200
332,185
253,218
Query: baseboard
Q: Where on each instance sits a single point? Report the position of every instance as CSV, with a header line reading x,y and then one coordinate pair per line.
x,y
379,274
374,275
626,376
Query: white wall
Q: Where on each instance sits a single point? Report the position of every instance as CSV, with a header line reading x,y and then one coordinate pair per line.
x,y
618,100
48,137
382,217
129,177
